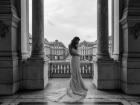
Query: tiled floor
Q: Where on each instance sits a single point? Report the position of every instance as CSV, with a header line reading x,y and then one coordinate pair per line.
x,y
94,97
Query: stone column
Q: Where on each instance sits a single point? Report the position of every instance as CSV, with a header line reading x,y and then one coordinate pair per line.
x,y
116,31
24,29
102,29
38,29
105,76
35,74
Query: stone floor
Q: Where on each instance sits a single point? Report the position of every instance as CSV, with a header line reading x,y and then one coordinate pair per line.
x,y
94,97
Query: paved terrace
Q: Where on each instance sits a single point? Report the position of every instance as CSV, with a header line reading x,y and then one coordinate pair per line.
x,y
94,97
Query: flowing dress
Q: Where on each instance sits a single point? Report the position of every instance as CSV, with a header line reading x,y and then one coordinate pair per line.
x,y
76,89
76,83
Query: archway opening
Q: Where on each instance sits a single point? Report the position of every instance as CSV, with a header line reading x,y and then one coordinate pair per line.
x,y
64,18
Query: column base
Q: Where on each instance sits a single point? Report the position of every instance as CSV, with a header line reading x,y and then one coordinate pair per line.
x,y
9,76
105,75
130,76
9,89
35,74
131,88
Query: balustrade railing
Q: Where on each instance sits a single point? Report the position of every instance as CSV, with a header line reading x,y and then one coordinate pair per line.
x,y
62,69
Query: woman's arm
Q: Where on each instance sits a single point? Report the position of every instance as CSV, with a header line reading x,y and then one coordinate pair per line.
x,y
74,52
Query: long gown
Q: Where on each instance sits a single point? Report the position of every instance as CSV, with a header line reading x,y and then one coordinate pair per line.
x,y
76,89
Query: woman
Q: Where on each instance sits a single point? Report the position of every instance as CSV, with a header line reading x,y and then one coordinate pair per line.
x,y
76,89
76,86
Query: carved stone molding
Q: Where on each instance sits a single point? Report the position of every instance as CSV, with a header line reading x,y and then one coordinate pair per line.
x,y
124,16
4,28
135,30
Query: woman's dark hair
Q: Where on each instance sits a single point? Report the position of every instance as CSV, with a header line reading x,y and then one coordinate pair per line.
x,y
74,42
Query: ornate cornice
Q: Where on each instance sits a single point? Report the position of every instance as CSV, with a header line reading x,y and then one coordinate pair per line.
x,y
4,28
8,12
135,30
5,6
131,18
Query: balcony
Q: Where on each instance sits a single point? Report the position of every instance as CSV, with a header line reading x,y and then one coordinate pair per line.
x,y
61,69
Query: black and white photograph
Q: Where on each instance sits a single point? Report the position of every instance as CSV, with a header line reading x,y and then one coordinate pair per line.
x,y
69,52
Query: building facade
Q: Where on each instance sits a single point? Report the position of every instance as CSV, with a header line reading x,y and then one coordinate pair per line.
x,y
58,51
86,50
47,49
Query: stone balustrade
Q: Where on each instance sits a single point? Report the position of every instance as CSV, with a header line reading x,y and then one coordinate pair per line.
x,y
61,69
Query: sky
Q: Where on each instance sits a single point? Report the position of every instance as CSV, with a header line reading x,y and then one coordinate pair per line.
x,y
64,19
